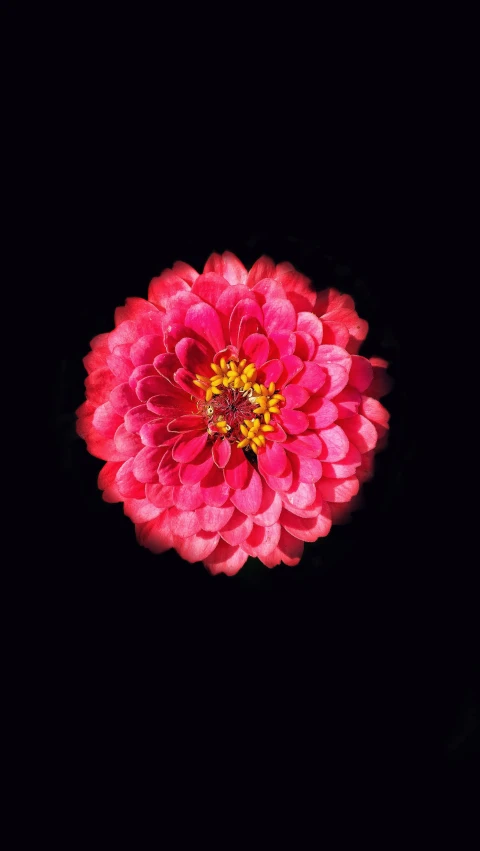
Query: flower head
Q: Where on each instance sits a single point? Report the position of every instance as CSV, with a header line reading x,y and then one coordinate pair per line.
x,y
233,411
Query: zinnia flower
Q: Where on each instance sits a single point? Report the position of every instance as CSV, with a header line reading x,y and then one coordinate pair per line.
x,y
233,412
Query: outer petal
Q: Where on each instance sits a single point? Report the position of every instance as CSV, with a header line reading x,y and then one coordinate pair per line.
x,y
278,315
237,528
361,432
226,559
197,547
248,499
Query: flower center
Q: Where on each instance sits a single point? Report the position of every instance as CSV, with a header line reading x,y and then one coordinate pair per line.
x,y
236,406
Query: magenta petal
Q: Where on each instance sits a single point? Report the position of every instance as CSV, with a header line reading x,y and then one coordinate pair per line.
x,y
336,380
128,444
248,325
333,354
145,464
270,371
186,422
300,495
194,356
166,364
237,470
264,267
141,372
195,470
187,497
156,433
270,507
214,488
228,265
205,321
339,490
292,366
262,540
307,444
361,432
335,333
199,546
126,482
273,461
184,379
289,548
335,444
268,288
305,346
188,446
248,498
256,348
213,518
347,402
226,559
174,332
137,417
295,396
160,495
183,523
185,271
245,308
321,412
294,422
280,483
124,333
278,315
154,385
278,434
312,377
306,469
282,344
209,287
123,398
106,420
140,510
221,451
146,349
156,534
170,406
310,324
237,528
168,470
308,529
361,373
373,410
346,467
161,289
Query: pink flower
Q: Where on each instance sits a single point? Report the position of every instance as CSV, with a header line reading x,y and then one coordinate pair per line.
x,y
233,411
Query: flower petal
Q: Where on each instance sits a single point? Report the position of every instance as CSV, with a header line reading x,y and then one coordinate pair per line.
x,y
291,367
189,446
187,497
347,402
336,380
264,267
187,422
160,495
183,523
268,288
306,469
335,333
248,498
194,356
361,373
237,470
270,507
273,461
310,324
146,349
213,518
237,528
282,343
126,482
300,495
197,547
140,510
214,488
225,559
312,377
278,315
168,470
106,420
221,451
307,444
156,433
339,490
145,463
196,470
123,398
262,540
335,444
128,444
294,422
161,289
209,287
135,418
361,432
270,371
321,412
295,396
204,320
308,528
245,307
333,354
227,265
256,347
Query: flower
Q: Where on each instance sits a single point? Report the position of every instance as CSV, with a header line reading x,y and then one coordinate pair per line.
x,y
233,411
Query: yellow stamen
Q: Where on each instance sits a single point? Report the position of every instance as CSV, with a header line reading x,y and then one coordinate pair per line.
x,y
216,391
257,441
221,423
216,368
243,443
264,390
208,394
274,410
267,427
271,388
216,381
266,417
244,429
252,446
223,364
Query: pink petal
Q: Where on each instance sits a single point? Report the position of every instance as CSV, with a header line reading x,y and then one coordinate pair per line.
x,y
156,433
300,495
297,286
196,470
126,332
262,540
245,307
183,523
335,333
194,356
141,372
189,446
278,434
339,490
255,348
166,364
174,332
269,508
382,382
187,422
146,349
294,422
248,498
237,470
106,420
221,451
157,385
122,397
169,406
184,271
99,384
264,267
305,346
307,444
187,497
289,550
361,373
225,559
204,319
227,265
291,367
214,488
333,355
279,483
310,324
120,366
346,467
160,495
248,325
128,444
140,510
237,528
374,411
295,396
213,518
268,288
347,402
210,287
309,528
278,315
305,469
168,470
161,289
335,444
282,343
184,380
361,432
336,380
273,461
321,412
156,534
145,464
227,301
270,371
312,377
199,546
126,482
